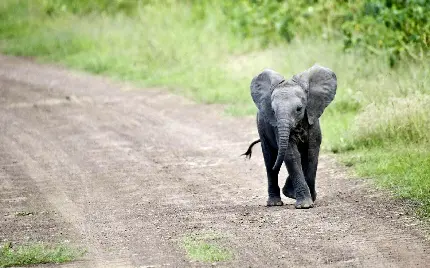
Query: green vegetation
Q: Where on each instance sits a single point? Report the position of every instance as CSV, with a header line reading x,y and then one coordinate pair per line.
x,y
36,254
204,248
405,171
209,50
399,121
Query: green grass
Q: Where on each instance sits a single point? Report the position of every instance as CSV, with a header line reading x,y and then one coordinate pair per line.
x,y
205,248
176,50
396,121
37,254
376,109
405,171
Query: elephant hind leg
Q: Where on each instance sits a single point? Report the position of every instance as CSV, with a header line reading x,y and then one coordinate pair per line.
x,y
288,189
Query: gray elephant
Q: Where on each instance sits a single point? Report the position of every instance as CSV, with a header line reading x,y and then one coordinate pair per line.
x,y
289,129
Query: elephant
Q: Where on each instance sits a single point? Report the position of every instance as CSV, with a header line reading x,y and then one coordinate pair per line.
x,y
289,129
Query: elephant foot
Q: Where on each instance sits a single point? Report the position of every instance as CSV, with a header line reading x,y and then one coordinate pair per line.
x,y
314,196
274,201
304,203
288,189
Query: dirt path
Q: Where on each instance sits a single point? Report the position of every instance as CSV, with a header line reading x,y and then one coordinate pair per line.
x,y
128,174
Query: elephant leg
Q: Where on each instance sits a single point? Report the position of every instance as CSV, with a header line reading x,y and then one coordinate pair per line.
x,y
270,154
311,171
312,154
295,171
288,189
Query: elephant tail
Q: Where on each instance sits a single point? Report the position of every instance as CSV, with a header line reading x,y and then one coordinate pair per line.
x,y
248,153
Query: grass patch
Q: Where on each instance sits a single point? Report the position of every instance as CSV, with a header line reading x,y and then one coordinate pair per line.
x,y
403,170
37,254
396,121
206,248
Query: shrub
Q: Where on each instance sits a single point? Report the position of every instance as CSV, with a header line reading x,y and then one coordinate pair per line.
x,y
275,21
394,27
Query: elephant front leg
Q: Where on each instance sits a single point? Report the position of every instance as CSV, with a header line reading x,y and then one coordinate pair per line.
x,y
288,189
312,154
270,154
311,171
299,183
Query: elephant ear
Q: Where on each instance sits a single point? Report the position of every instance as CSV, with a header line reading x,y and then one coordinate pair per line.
x,y
322,89
261,91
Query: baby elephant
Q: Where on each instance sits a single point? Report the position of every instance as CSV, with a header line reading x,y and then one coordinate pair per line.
x,y
289,129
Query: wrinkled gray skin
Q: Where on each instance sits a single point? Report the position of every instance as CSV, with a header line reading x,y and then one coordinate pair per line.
x,y
289,129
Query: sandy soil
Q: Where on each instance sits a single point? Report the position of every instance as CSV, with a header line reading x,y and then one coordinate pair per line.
x,y
128,173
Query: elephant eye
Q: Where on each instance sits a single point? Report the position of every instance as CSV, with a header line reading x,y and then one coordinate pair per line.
x,y
299,109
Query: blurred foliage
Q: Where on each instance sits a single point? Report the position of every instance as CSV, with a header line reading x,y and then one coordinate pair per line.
x,y
55,7
273,21
395,28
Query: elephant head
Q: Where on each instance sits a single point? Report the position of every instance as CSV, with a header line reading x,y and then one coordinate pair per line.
x,y
284,103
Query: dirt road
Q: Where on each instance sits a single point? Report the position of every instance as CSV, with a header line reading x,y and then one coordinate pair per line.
x,y
130,173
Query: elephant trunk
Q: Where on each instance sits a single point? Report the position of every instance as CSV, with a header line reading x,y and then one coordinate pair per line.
x,y
284,134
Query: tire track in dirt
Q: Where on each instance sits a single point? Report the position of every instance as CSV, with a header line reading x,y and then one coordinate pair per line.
x,y
132,172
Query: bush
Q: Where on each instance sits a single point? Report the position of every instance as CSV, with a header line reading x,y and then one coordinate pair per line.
x,y
394,27
275,21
